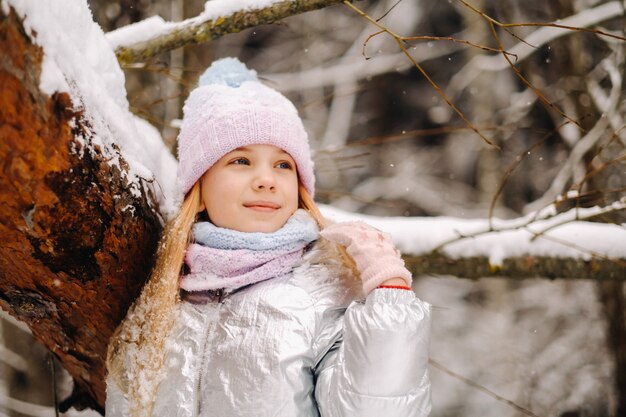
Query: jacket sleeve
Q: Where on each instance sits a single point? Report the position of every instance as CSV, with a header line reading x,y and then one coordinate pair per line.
x,y
377,362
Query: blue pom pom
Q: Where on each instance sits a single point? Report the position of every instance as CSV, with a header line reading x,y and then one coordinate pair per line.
x,y
227,71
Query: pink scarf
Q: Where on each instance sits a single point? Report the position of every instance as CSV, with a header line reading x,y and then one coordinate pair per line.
x,y
228,259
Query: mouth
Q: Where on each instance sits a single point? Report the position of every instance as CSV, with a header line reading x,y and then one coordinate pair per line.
x,y
262,206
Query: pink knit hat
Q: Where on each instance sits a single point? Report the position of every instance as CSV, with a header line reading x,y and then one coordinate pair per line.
x,y
231,108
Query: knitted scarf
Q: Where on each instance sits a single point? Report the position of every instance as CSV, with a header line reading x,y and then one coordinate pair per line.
x,y
228,259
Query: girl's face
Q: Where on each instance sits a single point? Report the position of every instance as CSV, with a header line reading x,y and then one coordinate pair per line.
x,y
251,189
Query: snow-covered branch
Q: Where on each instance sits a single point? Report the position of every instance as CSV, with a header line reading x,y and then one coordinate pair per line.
x,y
605,103
150,37
561,246
12,359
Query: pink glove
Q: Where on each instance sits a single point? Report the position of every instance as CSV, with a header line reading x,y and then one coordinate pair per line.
x,y
376,258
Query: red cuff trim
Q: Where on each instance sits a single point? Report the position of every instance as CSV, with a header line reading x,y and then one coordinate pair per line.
x,y
396,287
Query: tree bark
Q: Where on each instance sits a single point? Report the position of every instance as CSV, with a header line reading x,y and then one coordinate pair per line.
x,y
70,264
518,268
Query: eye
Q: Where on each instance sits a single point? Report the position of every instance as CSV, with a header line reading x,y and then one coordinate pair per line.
x,y
240,161
284,165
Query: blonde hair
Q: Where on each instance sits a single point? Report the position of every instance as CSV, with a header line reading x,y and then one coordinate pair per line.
x,y
136,349
307,203
135,352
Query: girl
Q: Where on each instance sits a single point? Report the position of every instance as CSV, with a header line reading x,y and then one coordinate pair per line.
x,y
266,317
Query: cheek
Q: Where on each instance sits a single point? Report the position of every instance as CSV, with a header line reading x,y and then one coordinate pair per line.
x,y
213,194
292,193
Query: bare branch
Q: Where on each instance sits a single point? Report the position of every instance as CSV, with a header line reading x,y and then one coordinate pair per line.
x,y
401,41
456,40
342,105
531,44
548,33
584,145
540,95
512,169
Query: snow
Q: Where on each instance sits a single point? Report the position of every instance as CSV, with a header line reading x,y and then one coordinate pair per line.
x,y
139,32
538,343
559,236
79,60
155,26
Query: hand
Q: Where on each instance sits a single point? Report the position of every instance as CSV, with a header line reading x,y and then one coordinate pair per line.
x,y
376,258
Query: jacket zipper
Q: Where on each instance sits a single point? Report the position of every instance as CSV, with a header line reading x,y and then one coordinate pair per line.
x,y
221,294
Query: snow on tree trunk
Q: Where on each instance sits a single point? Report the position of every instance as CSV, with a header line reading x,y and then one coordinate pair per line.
x,y
77,245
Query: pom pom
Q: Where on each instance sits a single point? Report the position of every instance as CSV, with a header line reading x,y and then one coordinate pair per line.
x,y
227,71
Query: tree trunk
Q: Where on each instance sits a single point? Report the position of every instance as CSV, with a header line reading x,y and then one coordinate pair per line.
x,y
70,262
611,295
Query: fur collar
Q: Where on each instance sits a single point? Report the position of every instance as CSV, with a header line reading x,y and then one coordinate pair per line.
x,y
322,269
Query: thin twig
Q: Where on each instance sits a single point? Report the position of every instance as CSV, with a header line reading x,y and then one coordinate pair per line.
x,y
590,174
614,207
491,20
537,91
481,388
55,399
513,167
376,140
389,11
556,25
455,40
401,43
536,24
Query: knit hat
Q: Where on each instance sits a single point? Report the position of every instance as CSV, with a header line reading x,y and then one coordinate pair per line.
x,y
231,108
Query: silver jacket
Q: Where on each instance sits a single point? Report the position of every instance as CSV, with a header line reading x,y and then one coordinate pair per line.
x,y
299,345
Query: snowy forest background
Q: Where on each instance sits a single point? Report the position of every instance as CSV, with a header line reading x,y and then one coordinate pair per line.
x,y
388,144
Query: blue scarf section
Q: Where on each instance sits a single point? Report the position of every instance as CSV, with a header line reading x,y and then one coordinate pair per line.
x,y
300,230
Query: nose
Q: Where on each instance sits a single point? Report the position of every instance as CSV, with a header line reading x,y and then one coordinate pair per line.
x,y
264,181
